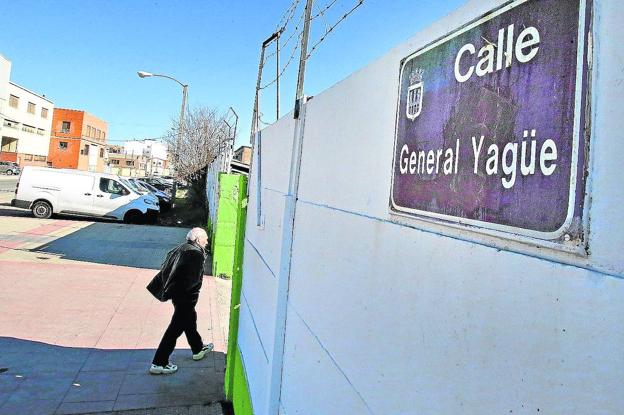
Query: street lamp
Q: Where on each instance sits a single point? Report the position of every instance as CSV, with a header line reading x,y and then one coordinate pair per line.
x,y
144,74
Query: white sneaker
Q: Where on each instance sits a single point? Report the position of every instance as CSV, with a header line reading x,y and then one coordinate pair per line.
x,y
160,370
201,354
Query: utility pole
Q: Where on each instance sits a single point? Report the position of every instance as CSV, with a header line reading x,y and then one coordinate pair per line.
x,y
174,189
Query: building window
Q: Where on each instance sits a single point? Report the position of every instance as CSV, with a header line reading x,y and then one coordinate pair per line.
x,y
129,162
31,108
85,151
115,161
66,127
44,113
10,124
13,101
101,152
62,145
28,157
40,158
29,129
103,136
88,131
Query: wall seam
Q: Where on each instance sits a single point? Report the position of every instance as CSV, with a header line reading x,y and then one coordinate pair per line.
x,y
331,357
261,257
255,326
588,267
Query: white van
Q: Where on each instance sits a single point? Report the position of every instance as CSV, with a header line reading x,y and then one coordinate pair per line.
x,y
73,192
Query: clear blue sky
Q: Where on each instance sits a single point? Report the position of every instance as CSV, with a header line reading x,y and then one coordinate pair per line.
x,y
85,54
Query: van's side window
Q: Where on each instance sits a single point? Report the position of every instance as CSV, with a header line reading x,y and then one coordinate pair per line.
x,y
111,186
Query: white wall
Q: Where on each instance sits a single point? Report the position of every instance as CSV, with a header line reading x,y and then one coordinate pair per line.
x,y
402,316
29,143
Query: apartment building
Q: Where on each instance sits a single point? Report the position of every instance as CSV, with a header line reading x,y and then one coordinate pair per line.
x,y
78,140
5,75
122,163
26,121
155,153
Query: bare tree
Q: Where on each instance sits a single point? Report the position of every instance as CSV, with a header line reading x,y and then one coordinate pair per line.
x,y
203,137
204,132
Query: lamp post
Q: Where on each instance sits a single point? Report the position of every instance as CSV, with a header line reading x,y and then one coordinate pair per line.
x,y
143,74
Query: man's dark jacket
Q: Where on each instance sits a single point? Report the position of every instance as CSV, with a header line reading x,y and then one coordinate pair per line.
x,y
180,277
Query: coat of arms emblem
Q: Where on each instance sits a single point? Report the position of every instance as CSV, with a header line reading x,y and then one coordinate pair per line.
x,y
415,94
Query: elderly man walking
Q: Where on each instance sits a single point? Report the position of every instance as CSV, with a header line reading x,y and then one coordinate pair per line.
x,y
180,280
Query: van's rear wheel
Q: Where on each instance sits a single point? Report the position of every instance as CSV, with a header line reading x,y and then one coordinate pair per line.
x,y
134,216
9,172
42,209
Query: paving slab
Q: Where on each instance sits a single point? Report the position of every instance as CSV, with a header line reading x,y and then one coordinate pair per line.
x,y
83,341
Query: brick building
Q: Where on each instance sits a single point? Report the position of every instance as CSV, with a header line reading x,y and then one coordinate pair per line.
x,y
78,140
243,154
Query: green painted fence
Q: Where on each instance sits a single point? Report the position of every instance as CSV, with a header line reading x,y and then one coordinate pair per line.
x,y
232,190
228,247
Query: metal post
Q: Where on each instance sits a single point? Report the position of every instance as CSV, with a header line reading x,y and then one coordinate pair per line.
x,y
256,109
255,119
235,124
277,76
288,229
303,58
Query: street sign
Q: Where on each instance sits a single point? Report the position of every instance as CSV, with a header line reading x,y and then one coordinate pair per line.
x,y
489,128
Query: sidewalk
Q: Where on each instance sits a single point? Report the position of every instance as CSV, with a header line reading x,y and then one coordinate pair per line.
x,y
78,337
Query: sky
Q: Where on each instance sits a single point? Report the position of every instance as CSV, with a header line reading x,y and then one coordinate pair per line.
x,y
85,54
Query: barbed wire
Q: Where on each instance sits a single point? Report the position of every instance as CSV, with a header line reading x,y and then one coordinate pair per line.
x,y
283,23
324,10
283,45
330,29
290,59
297,33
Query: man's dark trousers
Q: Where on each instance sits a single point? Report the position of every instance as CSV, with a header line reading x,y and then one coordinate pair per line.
x,y
184,320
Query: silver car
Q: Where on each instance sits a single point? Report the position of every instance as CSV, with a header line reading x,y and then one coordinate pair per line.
x,y
9,168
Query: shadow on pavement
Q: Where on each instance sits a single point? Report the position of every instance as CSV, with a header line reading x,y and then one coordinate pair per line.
x,y
7,210
138,246
39,378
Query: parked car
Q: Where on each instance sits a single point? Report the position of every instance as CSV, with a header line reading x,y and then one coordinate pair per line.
x,y
129,182
47,191
160,185
163,198
9,168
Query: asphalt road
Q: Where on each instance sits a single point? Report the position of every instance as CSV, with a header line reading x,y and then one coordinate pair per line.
x,y
7,183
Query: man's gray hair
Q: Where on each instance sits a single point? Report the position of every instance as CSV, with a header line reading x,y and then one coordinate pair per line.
x,y
194,234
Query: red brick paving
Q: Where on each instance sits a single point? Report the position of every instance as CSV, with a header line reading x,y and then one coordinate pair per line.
x,y
64,324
